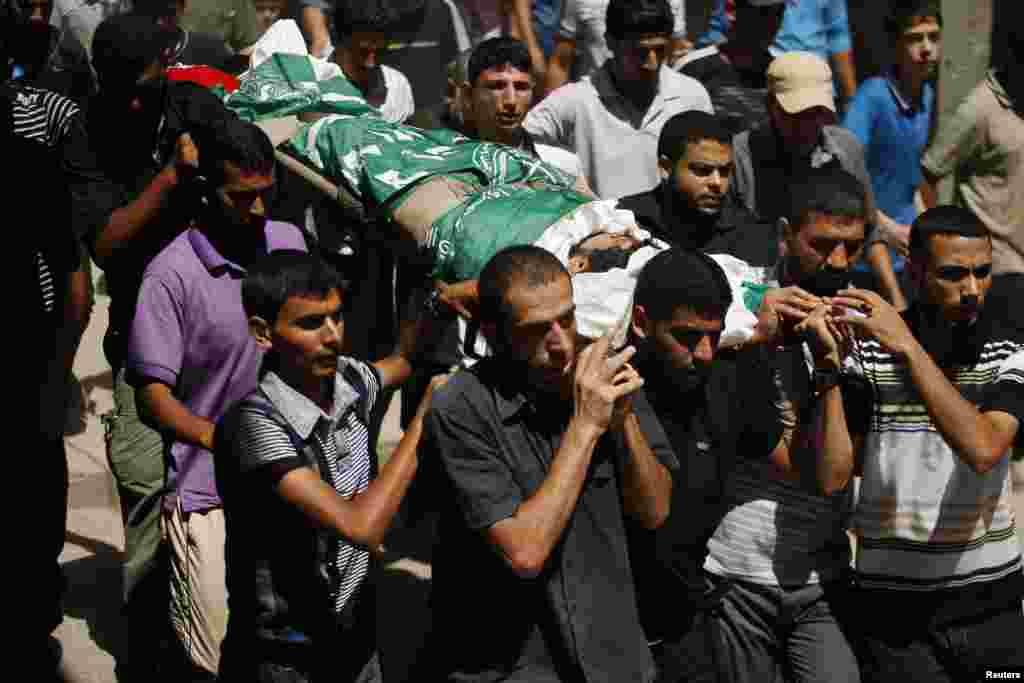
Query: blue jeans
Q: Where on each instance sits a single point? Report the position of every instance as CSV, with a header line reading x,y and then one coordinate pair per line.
x,y
768,633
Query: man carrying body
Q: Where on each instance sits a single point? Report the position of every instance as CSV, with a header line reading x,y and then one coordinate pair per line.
x,y
139,130
801,135
190,356
779,558
711,420
931,435
612,118
692,206
546,452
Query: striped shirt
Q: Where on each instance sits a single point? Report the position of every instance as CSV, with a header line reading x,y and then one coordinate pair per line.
x,y
775,532
43,117
341,438
924,519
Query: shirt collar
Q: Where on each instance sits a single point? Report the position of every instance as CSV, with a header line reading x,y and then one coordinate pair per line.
x,y
301,412
999,91
904,104
209,256
604,83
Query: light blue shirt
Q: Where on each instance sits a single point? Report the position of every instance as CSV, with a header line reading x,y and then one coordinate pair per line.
x,y
818,26
894,133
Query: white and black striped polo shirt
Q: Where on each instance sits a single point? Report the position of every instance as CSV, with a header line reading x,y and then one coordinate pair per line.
x,y
342,438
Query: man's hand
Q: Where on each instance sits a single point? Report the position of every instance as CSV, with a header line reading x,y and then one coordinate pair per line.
x,y
680,48
428,395
827,341
791,302
872,315
185,158
603,383
461,297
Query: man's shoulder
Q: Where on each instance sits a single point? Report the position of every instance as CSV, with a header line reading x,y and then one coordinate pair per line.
x,y
464,388
177,257
646,206
284,235
675,84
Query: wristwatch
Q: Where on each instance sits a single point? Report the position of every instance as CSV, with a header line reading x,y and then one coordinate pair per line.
x,y
433,306
824,379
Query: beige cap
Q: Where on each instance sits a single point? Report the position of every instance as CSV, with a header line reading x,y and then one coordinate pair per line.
x,y
800,81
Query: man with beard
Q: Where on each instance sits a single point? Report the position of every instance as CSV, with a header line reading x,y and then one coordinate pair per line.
x,y
801,134
692,207
678,316
938,566
545,451
979,143
779,558
139,132
190,356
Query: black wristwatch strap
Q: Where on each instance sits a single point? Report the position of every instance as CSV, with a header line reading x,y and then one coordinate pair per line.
x,y
824,379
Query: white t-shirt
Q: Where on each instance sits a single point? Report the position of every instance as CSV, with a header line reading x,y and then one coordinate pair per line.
x,y
584,22
398,102
616,143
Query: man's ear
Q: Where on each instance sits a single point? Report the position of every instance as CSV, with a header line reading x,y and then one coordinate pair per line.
x,y
664,167
641,324
917,268
466,101
490,331
261,331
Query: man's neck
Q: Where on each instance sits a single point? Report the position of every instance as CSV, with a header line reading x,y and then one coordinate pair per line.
x,y
234,249
680,215
639,95
910,85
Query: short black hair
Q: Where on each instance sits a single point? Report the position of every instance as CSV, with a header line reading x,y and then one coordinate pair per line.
x,y
944,220
902,13
495,53
626,18
236,140
831,191
125,45
282,274
375,16
523,265
691,126
678,278
155,9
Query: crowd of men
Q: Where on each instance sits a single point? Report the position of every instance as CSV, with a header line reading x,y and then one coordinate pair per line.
x,y
670,510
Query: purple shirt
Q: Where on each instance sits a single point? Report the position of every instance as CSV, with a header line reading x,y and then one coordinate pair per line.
x,y
191,333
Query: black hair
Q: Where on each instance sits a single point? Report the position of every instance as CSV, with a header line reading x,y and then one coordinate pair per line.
x,y
678,278
831,191
155,9
236,140
603,260
495,53
691,126
376,16
625,18
517,266
282,274
902,13
125,45
944,220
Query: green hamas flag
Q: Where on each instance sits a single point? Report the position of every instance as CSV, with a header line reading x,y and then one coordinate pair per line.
x,y
287,84
465,238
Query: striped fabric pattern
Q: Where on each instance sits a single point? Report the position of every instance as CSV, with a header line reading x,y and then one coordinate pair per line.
x,y
924,519
44,117
344,441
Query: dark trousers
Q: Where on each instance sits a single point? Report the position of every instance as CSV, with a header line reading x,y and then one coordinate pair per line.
x,y
692,654
892,647
50,503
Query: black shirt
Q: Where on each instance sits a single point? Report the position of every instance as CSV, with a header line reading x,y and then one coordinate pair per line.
x,y
738,95
734,231
130,153
705,429
423,54
578,620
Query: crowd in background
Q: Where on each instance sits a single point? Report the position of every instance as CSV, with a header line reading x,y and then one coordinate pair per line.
x,y
829,500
